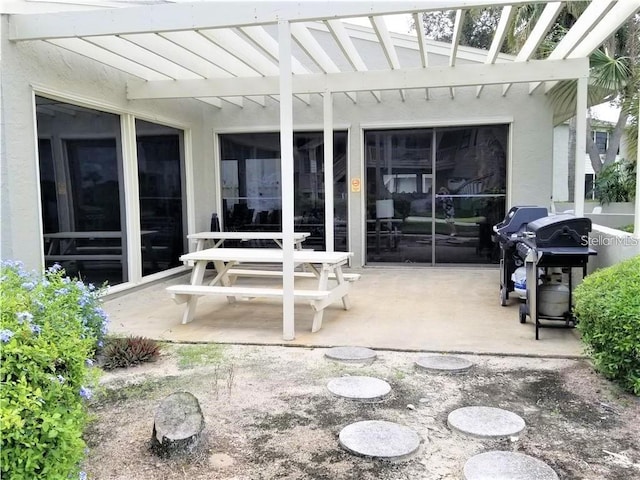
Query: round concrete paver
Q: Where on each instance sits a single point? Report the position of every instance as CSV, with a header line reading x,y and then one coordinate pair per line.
x,y
379,439
485,422
499,465
364,389
351,354
443,364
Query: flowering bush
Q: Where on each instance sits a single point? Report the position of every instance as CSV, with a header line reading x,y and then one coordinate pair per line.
x,y
50,326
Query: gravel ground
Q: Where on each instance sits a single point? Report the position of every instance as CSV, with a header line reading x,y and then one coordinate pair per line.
x,y
269,415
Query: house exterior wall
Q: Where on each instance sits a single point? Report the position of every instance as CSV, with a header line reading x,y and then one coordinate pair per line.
x,y
44,69
529,169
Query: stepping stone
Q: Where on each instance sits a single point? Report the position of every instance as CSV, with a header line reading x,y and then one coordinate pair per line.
x,y
379,439
443,364
499,465
485,422
351,354
364,389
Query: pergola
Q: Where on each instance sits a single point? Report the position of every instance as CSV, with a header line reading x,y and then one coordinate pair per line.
x,y
224,53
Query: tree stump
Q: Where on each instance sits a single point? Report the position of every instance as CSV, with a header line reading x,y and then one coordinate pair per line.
x,y
178,425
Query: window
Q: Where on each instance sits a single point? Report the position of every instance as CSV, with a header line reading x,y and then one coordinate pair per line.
x,y
251,190
160,178
601,139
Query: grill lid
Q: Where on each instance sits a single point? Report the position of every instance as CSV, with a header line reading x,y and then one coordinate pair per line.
x,y
564,230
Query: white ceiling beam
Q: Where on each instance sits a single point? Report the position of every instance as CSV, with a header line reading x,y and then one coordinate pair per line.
x,y
617,16
204,48
498,39
455,42
269,45
547,17
432,77
242,50
118,62
422,44
142,56
389,49
177,54
216,102
204,15
314,50
598,31
237,101
339,32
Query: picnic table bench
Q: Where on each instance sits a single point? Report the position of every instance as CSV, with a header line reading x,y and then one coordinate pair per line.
x,y
326,267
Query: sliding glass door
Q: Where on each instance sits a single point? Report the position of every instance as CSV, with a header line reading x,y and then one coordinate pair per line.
x,y
251,191
434,194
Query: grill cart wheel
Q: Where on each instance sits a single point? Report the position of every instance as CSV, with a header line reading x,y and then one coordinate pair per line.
x,y
523,313
504,296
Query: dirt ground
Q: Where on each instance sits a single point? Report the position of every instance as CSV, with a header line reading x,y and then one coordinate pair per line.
x,y
269,415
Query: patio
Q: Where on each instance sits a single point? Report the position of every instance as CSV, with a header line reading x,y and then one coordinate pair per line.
x,y
425,309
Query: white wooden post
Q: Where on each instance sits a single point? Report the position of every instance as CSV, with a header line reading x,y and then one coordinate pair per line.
x,y
328,170
286,169
130,223
581,146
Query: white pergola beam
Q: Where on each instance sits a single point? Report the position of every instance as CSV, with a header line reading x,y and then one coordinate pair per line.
x,y
269,45
590,17
389,49
177,54
206,49
116,61
314,50
498,39
432,77
204,15
422,44
142,56
455,41
547,17
242,50
601,30
342,38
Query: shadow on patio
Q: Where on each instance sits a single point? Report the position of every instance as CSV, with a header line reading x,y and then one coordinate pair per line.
x,y
430,309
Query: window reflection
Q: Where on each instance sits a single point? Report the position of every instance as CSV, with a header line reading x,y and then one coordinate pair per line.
x,y
161,200
251,190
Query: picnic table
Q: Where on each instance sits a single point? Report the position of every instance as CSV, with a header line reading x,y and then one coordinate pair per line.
x,y
326,267
218,238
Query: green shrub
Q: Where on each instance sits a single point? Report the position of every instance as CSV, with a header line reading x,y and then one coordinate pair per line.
x,y
50,326
616,182
608,310
121,352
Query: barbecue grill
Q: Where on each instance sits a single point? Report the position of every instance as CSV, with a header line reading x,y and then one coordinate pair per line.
x,y
507,234
552,242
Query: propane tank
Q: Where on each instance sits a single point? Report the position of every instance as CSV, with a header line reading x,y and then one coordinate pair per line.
x,y
553,296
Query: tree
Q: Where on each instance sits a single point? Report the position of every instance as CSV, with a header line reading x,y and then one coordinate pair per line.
x,y
615,67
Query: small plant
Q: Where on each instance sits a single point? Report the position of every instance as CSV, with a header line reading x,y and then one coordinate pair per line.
x,y
608,310
50,326
190,356
122,352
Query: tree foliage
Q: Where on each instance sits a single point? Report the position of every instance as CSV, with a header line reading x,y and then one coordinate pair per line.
x,y
615,66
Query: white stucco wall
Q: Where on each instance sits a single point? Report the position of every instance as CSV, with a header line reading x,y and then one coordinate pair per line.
x,y
27,67
561,163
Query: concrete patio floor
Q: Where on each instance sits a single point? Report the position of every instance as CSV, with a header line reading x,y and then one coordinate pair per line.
x,y
405,308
